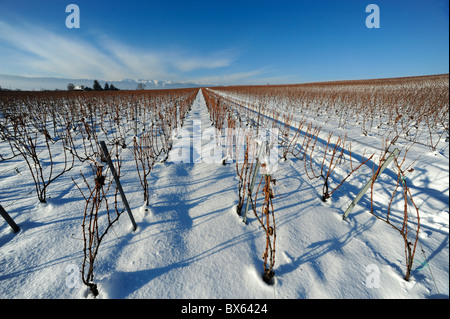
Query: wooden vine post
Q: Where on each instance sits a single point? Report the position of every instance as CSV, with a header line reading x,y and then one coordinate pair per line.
x,y
386,163
8,219
252,184
119,186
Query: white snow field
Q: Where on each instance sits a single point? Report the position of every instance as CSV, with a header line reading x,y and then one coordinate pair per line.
x,y
190,243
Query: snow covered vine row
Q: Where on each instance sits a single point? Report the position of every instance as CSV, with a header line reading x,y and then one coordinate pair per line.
x,y
398,113
54,132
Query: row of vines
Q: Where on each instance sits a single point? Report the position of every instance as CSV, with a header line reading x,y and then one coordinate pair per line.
x,y
53,132
399,112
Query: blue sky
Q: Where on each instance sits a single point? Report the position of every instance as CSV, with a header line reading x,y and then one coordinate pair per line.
x,y
225,42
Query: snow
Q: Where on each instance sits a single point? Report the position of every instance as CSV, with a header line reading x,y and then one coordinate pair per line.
x,y
190,243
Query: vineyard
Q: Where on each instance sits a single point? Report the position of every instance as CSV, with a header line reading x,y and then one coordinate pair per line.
x,y
318,190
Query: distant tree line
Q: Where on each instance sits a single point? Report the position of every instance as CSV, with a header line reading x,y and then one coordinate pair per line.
x,y
5,89
96,87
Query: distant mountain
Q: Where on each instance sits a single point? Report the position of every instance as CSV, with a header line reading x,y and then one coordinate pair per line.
x,y
14,82
130,84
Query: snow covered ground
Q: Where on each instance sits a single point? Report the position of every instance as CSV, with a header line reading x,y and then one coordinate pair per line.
x,y
190,243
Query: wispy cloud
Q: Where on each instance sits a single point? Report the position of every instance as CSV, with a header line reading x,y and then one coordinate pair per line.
x,y
46,53
231,78
34,51
187,62
261,76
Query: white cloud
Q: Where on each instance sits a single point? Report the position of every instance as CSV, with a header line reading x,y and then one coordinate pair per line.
x,y
40,52
261,76
46,53
188,63
231,78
